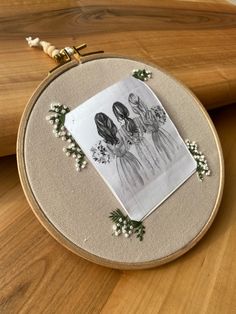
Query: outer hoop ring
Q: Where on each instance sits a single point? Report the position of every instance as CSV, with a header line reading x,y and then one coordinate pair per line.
x,y
52,229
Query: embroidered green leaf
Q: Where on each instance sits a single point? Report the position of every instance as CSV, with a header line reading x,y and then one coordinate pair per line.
x,y
124,225
202,165
142,74
57,120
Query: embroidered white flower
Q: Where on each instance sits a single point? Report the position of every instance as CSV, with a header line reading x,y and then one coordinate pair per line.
x,y
57,120
202,165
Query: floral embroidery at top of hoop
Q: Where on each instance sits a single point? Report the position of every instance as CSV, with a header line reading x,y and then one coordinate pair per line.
x,y
57,120
142,75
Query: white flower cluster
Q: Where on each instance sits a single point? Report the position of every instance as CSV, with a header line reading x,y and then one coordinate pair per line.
x,y
57,119
142,75
73,150
122,227
202,165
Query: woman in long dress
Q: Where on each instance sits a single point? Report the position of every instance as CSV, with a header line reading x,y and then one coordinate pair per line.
x,y
128,167
132,130
164,143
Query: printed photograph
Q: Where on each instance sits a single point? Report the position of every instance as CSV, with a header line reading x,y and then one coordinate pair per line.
x,y
131,141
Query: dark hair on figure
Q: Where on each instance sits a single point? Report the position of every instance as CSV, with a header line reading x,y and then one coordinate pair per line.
x,y
122,113
106,128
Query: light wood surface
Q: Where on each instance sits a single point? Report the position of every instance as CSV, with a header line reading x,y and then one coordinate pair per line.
x,y
38,275
195,41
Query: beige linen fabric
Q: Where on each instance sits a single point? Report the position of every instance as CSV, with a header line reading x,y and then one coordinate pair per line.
x,y
78,204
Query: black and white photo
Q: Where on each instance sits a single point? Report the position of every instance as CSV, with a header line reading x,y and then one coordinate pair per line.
x,y
130,139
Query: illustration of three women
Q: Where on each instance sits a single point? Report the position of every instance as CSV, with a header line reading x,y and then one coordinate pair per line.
x,y
134,170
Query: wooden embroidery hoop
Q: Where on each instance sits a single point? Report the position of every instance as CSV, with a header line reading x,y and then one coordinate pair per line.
x,y
53,230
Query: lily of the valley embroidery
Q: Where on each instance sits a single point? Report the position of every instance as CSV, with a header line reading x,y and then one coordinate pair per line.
x,y
124,225
57,120
142,74
202,164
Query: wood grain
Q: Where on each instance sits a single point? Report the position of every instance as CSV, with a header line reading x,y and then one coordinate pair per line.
x,y
38,275
193,41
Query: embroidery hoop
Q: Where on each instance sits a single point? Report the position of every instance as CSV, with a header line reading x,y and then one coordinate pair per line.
x,y
50,225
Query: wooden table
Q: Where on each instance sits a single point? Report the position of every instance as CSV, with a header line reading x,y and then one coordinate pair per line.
x,y
38,275
196,43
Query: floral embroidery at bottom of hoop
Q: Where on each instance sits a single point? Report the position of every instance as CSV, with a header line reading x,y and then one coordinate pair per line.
x,y
124,225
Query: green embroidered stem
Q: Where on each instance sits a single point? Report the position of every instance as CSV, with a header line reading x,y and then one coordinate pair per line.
x,y
57,120
202,165
142,75
124,225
